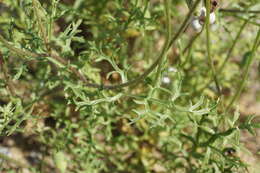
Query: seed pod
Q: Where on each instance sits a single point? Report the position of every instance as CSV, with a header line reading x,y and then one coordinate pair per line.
x,y
195,23
166,80
202,17
212,18
214,5
229,151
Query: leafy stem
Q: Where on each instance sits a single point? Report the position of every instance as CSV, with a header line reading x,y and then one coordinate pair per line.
x,y
61,60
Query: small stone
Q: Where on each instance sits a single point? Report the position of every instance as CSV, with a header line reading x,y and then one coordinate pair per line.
x,y
4,151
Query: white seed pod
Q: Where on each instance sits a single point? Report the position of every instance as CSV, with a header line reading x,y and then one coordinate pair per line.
x,y
166,80
172,69
212,18
203,12
195,23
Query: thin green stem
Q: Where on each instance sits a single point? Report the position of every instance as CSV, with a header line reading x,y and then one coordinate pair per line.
x,y
168,35
239,11
184,24
249,21
228,54
233,46
245,74
191,41
209,47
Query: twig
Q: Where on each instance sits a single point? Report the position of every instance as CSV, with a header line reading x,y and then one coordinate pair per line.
x,y
214,74
184,24
233,46
159,69
247,19
191,41
238,11
219,71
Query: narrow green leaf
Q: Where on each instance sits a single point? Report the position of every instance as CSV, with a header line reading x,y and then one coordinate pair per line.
x,y
207,129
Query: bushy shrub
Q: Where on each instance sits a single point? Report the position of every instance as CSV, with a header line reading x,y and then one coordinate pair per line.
x,y
126,85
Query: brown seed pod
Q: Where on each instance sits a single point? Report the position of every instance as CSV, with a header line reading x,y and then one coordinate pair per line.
x,y
214,5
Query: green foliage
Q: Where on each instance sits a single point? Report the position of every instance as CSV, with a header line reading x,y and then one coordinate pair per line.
x,y
60,59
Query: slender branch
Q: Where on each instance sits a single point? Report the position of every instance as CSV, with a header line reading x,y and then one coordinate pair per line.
x,y
233,46
245,74
247,19
159,69
222,66
191,41
238,11
209,47
184,24
93,85
188,48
